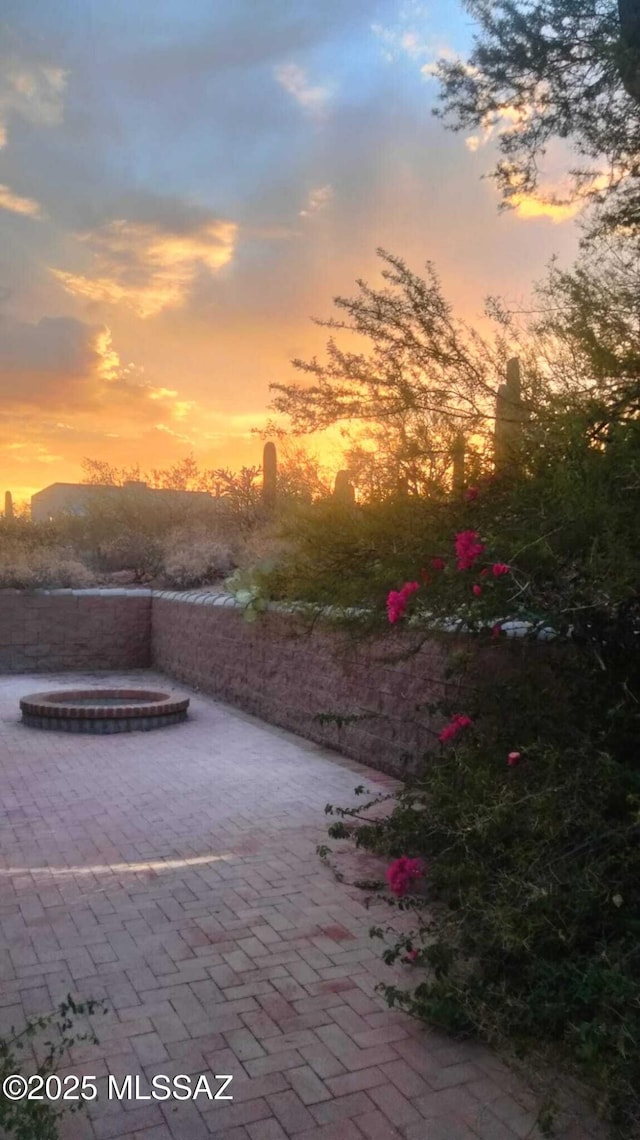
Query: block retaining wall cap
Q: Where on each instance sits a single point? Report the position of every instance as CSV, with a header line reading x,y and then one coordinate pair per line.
x,y
510,627
95,591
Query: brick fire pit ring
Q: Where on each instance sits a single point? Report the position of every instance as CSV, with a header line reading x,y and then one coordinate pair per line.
x,y
102,710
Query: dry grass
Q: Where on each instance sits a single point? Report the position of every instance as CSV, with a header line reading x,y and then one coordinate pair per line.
x,y
24,568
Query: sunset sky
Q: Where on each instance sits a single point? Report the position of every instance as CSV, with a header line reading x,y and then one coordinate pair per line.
x,y
185,183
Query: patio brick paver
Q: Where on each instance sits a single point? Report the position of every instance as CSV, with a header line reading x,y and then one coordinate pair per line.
x,y
174,874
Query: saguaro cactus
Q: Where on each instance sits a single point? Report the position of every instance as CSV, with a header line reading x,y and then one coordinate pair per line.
x,y
509,418
269,475
457,458
343,491
8,505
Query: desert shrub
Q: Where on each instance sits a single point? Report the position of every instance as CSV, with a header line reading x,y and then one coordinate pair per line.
x,y
28,568
29,535
196,557
269,545
126,528
527,822
130,550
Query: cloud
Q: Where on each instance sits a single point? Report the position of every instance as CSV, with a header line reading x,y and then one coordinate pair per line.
x,y
30,88
398,41
240,36
34,454
177,435
235,92
46,363
529,206
61,364
181,408
317,200
411,37
294,80
150,266
17,204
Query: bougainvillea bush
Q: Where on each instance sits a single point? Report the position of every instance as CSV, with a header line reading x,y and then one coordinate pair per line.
x,y
516,848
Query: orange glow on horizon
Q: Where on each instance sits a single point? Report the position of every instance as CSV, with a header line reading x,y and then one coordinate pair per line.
x,y
163,270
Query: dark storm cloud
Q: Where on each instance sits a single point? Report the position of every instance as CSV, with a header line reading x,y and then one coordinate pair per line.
x,y
47,362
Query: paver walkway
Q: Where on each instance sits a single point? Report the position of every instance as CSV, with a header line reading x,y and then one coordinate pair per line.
x,y
174,874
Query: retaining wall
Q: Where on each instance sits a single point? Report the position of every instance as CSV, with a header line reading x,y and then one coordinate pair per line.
x,y
367,699
55,630
289,673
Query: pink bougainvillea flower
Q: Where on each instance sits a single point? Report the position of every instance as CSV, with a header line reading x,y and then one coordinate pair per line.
x,y
395,608
477,590
448,733
496,630
456,725
411,955
397,600
468,548
500,568
463,721
471,493
512,759
438,563
483,573
402,872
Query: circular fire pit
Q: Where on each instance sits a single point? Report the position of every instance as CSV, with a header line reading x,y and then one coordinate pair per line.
x,y
102,710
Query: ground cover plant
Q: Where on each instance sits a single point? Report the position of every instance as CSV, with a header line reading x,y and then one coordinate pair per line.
x,y
38,1049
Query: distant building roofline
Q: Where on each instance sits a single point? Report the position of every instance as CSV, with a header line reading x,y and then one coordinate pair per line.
x,y
119,487
73,498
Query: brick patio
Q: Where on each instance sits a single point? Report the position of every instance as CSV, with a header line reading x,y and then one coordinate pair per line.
x,y
174,874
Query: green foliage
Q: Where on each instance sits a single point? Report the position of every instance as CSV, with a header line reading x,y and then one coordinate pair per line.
x,y
590,315
343,555
542,70
569,522
38,1119
528,929
250,590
